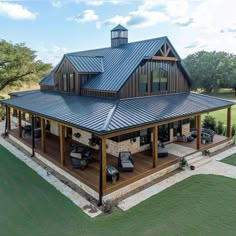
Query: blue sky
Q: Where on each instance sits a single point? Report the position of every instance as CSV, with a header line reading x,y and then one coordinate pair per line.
x,y
55,27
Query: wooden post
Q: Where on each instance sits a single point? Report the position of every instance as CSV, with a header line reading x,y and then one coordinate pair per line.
x,y
154,146
62,144
32,134
103,165
19,124
199,131
43,135
229,122
23,115
8,119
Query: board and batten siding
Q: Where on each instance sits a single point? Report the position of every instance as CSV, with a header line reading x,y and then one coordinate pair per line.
x,y
80,78
177,83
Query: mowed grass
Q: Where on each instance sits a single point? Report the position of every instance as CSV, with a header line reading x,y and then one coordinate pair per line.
x,y
230,160
221,115
200,205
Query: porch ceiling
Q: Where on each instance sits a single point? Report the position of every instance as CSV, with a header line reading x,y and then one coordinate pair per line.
x,y
103,115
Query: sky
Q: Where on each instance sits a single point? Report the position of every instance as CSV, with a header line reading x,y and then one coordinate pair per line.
x,y
55,27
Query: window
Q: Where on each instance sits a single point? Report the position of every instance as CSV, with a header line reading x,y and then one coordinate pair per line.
x,y
145,136
143,84
64,83
72,82
159,80
115,34
163,80
155,81
125,136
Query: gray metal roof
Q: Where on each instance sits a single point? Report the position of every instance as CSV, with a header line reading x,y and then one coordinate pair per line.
x,y
22,93
86,64
119,27
103,115
119,63
49,78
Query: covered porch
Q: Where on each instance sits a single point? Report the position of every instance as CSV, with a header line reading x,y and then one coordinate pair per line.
x,y
143,162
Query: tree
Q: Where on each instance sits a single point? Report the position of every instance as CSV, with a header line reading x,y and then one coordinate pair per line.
x,y
212,70
209,122
19,63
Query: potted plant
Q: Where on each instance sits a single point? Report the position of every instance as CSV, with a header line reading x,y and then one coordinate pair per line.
x,y
183,163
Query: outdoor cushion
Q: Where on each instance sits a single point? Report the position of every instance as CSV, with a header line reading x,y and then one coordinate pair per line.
x,y
76,155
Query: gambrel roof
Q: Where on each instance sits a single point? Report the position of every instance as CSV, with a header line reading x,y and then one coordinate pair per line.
x,y
114,65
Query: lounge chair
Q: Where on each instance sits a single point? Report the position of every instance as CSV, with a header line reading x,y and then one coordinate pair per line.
x,y
125,161
162,150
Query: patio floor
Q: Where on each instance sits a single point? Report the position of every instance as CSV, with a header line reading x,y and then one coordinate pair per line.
x,y
90,176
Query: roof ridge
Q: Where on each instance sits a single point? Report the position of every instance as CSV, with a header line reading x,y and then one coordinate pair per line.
x,y
140,41
110,115
66,55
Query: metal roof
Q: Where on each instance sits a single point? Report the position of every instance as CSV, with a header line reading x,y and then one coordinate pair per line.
x,y
119,63
22,93
103,115
86,64
119,27
49,78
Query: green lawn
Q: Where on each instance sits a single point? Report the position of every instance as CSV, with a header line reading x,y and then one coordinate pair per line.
x,y
200,205
221,115
230,160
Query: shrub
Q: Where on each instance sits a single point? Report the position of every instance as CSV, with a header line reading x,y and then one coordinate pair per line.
x,y
209,122
206,153
233,130
224,132
220,127
108,206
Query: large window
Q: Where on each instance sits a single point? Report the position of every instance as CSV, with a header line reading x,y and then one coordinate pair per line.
x,y
159,80
72,82
64,83
163,80
143,84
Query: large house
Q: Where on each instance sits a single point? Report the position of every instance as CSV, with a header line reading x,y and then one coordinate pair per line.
x,y
126,97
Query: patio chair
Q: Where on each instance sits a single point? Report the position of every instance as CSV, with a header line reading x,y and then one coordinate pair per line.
x,y
125,161
162,150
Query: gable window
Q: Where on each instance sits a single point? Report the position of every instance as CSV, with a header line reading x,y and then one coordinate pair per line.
x,y
143,84
159,80
72,82
163,79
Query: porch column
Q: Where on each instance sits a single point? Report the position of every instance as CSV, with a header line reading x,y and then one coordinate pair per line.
x,y
8,119
32,134
103,164
19,124
62,144
229,122
154,146
43,135
198,128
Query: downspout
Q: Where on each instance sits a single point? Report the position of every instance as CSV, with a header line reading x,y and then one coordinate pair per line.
x,y
32,134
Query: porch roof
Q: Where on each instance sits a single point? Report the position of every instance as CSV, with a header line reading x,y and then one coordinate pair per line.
x,y
104,115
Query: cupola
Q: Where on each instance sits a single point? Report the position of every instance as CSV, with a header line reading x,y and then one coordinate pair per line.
x,y
119,36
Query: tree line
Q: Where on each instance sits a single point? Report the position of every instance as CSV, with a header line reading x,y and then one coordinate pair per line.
x,y
211,71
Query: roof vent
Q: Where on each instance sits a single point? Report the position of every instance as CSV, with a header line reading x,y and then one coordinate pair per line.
x,y
119,36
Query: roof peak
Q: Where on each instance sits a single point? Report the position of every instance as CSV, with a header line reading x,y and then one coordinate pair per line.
x,y
119,27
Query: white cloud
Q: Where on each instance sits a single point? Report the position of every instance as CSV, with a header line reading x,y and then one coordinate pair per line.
x,y
137,18
57,4
199,44
85,16
51,53
60,3
16,11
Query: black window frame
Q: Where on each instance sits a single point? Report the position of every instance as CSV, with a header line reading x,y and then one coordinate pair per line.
x,y
143,92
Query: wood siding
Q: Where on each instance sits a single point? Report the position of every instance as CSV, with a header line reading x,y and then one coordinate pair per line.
x,y
67,68
177,83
